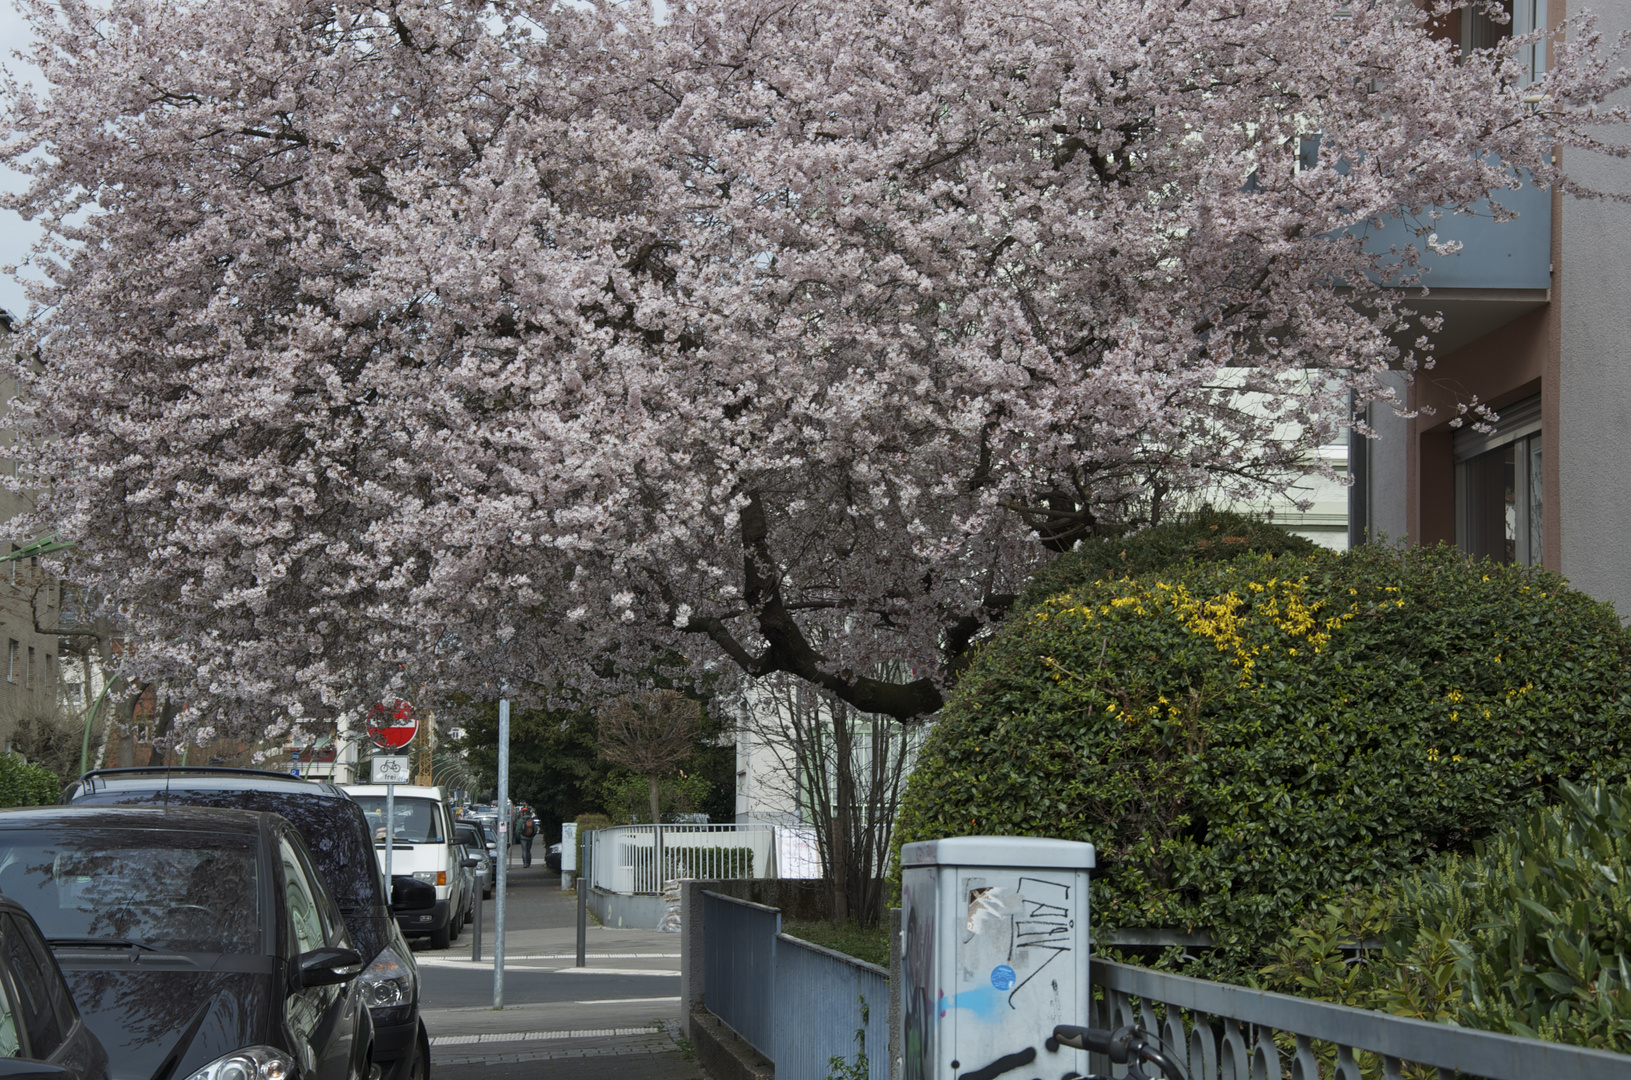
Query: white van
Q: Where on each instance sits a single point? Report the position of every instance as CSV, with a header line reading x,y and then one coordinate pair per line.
x,y
424,847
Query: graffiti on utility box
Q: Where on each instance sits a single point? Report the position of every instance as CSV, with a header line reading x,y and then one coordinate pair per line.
x,y
995,953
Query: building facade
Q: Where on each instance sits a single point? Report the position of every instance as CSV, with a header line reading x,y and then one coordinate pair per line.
x,y
30,663
1538,327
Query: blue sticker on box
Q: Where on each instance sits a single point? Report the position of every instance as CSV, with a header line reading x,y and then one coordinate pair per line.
x,y
1003,977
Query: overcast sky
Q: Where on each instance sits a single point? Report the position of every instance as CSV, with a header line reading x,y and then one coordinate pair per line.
x,y
15,234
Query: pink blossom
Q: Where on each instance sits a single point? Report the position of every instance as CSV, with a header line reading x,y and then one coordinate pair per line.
x,y
486,344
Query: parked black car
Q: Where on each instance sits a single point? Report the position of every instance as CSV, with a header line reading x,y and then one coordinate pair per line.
x,y
337,835
198,944
40,1029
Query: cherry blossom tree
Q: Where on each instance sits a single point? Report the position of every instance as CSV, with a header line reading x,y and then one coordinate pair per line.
x,y
514,343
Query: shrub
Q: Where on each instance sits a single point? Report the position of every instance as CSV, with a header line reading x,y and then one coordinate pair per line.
x,y
23,784
1531,935
1204,536
1243,739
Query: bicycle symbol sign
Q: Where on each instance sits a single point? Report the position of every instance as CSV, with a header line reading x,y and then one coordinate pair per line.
x,y
391,769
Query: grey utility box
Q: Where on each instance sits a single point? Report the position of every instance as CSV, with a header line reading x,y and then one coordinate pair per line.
x,y
994,943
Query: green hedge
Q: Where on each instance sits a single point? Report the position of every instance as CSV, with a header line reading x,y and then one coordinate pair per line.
x,y
1245,739
23,784
1203,537
1531,935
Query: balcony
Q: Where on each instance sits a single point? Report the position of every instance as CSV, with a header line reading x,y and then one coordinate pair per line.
x,y
1503,270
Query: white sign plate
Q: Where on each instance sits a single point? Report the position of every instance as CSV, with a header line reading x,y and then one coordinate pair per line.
x,y
391,769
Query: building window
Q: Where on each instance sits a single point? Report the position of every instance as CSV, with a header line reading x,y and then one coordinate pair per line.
x,y
11,660
1479,31
1499,495
50,673
28,672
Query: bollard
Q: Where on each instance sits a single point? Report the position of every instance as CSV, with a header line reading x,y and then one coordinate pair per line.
x,y
583,901
475,934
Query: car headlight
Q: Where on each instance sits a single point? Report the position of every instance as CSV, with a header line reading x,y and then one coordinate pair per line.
x,y
387,982
250,1063
431,877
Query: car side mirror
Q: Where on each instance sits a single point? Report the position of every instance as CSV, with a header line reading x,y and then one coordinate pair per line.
x,y
411,894
470,864
328,966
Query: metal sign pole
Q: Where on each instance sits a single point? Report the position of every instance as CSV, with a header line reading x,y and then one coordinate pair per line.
x,y
503,847
390,829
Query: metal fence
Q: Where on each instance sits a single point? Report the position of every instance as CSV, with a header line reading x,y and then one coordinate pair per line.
x,y
827,1006
739,966
798,1004
1224,1032
635,859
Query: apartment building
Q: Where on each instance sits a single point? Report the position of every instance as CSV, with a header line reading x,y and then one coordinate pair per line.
x,y
1538,326
30,665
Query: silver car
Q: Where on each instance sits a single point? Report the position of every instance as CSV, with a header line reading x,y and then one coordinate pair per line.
x,y
471,835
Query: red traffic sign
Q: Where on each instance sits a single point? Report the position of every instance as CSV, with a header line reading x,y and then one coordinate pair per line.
x,y
392,725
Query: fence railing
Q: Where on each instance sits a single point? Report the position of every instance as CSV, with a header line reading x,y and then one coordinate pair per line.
x,y
739,965
1224,1032
827,1006
798,1004
635,859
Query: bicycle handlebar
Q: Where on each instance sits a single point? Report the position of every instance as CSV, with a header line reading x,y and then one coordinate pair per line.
x,y
1123,1045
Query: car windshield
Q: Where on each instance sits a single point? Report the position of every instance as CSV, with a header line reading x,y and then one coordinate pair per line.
x,y
471,838
417,820
331,826
161,889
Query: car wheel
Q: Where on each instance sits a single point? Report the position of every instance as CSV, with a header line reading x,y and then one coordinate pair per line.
x,y
419,1069
441,939
454,925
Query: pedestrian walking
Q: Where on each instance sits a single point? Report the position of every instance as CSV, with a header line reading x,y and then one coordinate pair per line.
x,y
524,829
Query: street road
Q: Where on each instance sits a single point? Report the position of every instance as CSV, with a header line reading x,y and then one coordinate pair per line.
x,y
611,1020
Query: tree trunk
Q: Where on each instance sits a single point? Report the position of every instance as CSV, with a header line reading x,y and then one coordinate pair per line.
x,y
127,728
651,791
161,731
844,781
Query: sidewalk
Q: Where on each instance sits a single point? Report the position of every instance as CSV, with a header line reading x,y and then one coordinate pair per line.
x,y
617,1028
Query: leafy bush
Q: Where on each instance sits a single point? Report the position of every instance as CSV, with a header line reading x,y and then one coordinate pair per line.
x,y
23,784
1245,739
1531,935
1205,536
627,798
